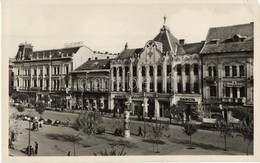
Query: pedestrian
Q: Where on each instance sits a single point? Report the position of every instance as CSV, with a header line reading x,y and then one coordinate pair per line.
x,y
140,131
36,148
69,153
37,125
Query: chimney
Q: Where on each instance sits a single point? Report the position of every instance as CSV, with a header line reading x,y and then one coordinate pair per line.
x,y
89,59
126,46
95,58
107,57
181,41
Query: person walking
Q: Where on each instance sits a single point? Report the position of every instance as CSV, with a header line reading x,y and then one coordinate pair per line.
x,y
69,153
36,148
140,131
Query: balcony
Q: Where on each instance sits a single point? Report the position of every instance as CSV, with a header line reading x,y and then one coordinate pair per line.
x,y
241,100
211,79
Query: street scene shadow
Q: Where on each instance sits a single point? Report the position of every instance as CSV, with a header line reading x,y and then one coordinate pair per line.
x,y
194,144
62,137
153,141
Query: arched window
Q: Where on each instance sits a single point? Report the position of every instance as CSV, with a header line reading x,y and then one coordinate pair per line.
x,y
114,71
151,70
143,70
196,69
159,70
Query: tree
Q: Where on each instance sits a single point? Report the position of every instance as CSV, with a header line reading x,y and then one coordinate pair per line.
x,y
225,130
189,129
113,152
88,123
23,96
20,108
156,132
247,132
46,99
14,130
241,113
178,110
40,108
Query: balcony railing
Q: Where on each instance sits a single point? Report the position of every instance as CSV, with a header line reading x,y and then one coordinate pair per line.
x,y
240,100
211,79
91,90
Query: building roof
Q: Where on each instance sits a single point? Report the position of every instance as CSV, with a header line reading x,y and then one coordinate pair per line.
x,y
193,48
126,53
229,39
167,39
95,65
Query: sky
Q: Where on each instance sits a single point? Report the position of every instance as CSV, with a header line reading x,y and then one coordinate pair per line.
x,y
108,26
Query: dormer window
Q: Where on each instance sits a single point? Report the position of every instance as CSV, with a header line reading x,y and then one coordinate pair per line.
x,y
235,38
214,41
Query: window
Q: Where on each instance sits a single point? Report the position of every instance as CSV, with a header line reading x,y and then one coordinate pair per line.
x,y
134,87
41,71
35,71
134,71
67,83
169,68
159,87
234,91
18,82
168,87
47,84
187,87
227,72
120,71
159,70
241,71
196,69
41,83
242,91
58,70
35,83
227,91
151,70
12,74
210,71
126,87
144,87
143,70
213,90
115,88
47,70
215,72
196,88
179,70
179,87
67,70
114,71
18,72
187,69
234,70
151,87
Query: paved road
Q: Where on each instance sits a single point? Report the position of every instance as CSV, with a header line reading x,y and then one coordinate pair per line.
x,y
57,141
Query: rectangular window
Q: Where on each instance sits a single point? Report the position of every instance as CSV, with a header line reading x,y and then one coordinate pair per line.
x,y
47,70
196,88
169,67
187,69
210,71
114,71
179,88
67,70
179,70
234,91
242,91
115,88
196,69
213,91
227,72
67,83
35,83
35,71
18,72
120,71
187,87
227,91
41,71
18,82
47,84
241,71
126,70
215,71
58,70
151,87
168,87
151,70
41,83
159,87
159,70
234,70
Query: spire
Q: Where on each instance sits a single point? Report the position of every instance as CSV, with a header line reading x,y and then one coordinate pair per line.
x,y
126,46
164,19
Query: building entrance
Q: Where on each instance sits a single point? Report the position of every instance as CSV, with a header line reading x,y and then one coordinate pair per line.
x,y
151,108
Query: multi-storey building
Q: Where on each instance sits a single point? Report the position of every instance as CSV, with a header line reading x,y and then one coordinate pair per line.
x,y
11,76
227,58
46,72
152,78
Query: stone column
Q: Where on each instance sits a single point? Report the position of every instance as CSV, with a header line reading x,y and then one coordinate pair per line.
x,y
131,76
102,103
145,107
31,74
238,92
238,74
192,78
123,77
231,92
164,77
139,78
50,79
199,79
230,71
175,79
117,79
112,79
157,108
172,78
183,78
155,77
112,104
147,74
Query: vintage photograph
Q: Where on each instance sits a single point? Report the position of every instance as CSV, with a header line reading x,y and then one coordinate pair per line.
x,y
129,79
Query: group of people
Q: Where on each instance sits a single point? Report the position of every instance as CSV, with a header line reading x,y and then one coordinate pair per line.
x,y
30,150
36,124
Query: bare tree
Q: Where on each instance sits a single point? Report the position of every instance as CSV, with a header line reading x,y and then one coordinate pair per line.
x,y
88,123
225,130
189,129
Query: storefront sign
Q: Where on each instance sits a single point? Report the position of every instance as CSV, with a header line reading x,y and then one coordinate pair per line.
x,y
187,99
120,96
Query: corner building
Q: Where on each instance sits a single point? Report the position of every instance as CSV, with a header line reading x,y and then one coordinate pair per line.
x,y
162,73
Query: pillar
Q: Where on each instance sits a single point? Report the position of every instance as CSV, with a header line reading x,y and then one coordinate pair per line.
x,y
50,79
131,76
145,107
183,78
192,78
238,92
147,74
102,103
155,77
231,92
112,79
117,79
123,84
112,104
175,77
164,77
139,78
157,108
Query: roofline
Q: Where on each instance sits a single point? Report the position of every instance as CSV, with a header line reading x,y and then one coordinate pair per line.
x,y
87,71
232,25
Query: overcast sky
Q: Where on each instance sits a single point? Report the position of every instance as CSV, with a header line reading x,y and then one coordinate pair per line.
x,y
107,27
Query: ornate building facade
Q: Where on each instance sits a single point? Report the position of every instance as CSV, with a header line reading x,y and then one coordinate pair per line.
x,y
227,58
